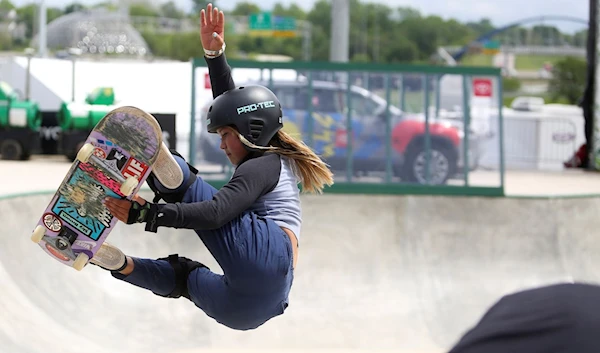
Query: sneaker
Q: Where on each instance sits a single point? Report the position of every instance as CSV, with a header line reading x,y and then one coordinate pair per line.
x,y
109,257
167,170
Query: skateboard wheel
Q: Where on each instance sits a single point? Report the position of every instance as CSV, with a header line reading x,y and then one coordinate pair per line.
x,y
38,234
128,186
80,261
85,153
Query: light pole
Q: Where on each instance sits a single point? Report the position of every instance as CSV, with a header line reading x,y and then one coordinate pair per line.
x,y
75,52
340,29
42,46
29,52
307,40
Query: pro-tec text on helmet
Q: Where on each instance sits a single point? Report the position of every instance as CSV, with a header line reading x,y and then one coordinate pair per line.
x,y
255,106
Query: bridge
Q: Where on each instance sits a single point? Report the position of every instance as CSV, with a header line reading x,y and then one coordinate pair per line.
x,y
457,53
564,50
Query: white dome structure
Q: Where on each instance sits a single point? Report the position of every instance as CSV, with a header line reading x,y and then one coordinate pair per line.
x,y
95,31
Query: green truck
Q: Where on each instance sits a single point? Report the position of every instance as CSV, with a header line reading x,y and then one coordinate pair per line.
x,y
77,119
20,123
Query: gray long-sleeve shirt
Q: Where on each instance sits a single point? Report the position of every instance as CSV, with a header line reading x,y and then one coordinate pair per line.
x,y
266,185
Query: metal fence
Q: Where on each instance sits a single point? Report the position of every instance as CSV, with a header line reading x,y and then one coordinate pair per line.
x,y
540,144
395,128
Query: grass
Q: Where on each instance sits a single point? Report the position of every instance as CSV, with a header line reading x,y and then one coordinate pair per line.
x,y
413,100
534,62
522,62
547,99
477,60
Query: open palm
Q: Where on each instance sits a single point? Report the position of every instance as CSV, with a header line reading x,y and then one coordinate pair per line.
x,y
212,21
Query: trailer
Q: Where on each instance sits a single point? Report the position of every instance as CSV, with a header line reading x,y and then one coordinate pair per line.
x,y
20,123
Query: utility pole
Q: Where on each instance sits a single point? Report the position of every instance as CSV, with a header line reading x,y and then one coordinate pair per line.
x,y
340,31
42,44
593,46
307,40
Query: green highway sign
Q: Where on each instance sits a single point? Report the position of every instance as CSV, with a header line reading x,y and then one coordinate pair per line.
x,y
491,44
264,24
491,47
260,21
284,23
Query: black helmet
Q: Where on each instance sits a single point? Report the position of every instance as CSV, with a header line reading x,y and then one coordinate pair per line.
x,y
254,110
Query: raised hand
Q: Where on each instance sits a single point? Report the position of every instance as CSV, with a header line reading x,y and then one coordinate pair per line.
x,y
212,27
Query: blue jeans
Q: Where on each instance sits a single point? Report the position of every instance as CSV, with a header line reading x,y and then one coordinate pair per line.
x,y
255,255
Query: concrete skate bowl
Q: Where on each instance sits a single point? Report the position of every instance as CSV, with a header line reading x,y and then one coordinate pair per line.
x,y
376,273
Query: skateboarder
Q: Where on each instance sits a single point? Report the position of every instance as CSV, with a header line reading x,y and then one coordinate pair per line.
x,y
251,225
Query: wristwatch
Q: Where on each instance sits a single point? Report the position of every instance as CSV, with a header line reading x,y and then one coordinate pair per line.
x,y
211,54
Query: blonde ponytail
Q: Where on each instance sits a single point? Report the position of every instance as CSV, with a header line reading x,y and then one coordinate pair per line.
x,y
314,174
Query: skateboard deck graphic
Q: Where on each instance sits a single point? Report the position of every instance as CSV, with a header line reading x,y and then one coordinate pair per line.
x,y
116,159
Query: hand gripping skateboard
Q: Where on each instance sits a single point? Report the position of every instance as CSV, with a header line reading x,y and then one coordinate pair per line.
x,y
116,159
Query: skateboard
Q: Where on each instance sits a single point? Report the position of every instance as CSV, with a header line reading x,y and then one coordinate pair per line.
x,y
116,159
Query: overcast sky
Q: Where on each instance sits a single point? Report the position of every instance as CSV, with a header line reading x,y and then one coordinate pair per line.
x,y
499,11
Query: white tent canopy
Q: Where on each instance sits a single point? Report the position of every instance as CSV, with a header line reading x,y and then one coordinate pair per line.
x,y
157,86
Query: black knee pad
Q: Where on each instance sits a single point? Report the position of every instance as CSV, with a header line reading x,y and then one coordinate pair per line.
x,y
176,196
182,267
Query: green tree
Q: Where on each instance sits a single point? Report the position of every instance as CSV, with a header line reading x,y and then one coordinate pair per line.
x,y
6,6
376,24
569,79
109,5
198,5
182,46
5,41
482,27
454,33
293,10
320,18
405,13
245,8
511,85
74,7
53,13
185,46
400,50
27,15
580,38
143,10
424,33
360,58
544,35
170,10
